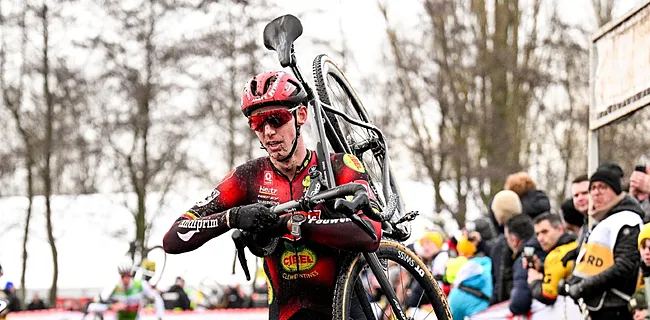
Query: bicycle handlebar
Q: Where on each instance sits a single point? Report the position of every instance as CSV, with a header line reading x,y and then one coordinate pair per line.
x,y
349,208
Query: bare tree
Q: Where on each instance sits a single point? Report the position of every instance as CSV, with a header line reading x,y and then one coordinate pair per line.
x,y
477,73
12,98
145,131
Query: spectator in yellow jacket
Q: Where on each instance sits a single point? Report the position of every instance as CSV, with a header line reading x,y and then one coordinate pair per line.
x,y
543,279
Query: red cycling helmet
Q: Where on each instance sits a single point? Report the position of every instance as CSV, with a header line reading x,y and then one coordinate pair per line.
x,y
271,88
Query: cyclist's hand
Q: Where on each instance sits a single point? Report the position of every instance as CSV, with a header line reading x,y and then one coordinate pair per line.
x,y
118,306
253,217
281,228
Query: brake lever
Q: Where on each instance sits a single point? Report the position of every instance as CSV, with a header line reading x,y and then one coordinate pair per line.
x,y
349,208
240,244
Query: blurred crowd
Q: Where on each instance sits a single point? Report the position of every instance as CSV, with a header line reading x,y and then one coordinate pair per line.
x,y
594,249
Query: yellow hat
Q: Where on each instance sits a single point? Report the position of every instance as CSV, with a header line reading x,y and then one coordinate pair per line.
x,y
644,234
434,237
465,247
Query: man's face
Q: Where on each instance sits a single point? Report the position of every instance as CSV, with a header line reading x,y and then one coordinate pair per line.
x,y
580,194
602,194
512,240
126,279
645,251
547,235
275,127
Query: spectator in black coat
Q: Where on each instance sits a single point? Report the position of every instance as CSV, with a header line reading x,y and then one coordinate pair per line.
x,y
533,202
176,298
520,235
14,302
36,304
504,206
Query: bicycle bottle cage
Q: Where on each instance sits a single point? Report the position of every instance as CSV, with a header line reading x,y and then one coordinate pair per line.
x,y
279,36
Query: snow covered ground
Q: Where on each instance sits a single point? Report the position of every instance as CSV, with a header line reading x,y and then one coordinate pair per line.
x,y
92,234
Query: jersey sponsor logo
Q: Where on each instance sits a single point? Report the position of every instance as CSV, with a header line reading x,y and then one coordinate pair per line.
x,y
315,220
215,193
288,276
268,177
198,224
187,235
353,163
301,257
268,191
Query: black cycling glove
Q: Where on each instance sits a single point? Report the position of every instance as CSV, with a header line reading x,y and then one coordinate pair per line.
x,y
252,217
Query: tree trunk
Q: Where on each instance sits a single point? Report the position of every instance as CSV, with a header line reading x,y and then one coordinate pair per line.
x,y
47,170
28,218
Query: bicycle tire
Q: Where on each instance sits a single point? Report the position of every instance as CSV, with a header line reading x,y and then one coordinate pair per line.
x,y
349,276
328,76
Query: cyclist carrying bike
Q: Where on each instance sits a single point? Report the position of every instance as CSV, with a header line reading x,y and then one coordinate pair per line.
x,y
126,297
302,270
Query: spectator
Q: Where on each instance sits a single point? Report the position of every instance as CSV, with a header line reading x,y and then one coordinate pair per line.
x,y
520,234
473,281
533,202
640,190
580,193
573,219
644,249
428,248
504,205
36,304
14,302
543,280
636,307
235,297
606,273
176,298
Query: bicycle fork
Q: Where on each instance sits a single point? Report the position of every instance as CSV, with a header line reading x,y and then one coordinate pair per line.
x,y
378,271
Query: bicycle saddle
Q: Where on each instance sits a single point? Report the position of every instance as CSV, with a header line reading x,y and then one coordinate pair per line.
x,y
279,36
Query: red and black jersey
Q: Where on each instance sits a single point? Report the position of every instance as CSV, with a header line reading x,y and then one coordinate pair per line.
x,y
301,272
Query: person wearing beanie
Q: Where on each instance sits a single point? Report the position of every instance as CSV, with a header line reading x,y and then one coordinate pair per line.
x,y
573,219
534,202
504,206
644,249
607,269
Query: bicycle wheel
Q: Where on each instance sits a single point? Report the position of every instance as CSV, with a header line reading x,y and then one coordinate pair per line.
x,y
334,89
403,269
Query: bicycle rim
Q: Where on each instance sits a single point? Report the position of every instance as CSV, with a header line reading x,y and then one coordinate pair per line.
x,y
403,269
335,90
